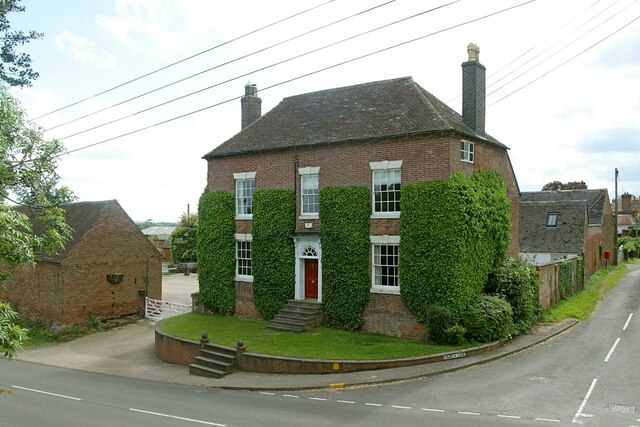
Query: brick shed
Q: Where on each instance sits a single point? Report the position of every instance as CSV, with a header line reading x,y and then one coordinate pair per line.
x,y
71,286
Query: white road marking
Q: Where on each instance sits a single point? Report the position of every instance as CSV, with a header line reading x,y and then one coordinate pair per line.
x,y
468,413
515,417
606,359
293,396
372,404
318,398
175,417
345,401
400,407
46,392
432,410
584,401
267,393
627,322
549,420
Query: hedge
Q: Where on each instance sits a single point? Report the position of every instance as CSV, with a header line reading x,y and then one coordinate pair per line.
x,y
344,223
272,250
216,251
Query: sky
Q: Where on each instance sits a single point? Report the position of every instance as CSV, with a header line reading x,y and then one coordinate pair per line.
x,y
140,90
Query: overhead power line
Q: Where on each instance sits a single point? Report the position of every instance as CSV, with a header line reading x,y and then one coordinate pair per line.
x,y
322,27
185,59
568,60
309,52
304,75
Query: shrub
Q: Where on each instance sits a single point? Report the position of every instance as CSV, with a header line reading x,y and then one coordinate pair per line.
x,y
487,319
517,281
439,320
217,251
455,335
344,222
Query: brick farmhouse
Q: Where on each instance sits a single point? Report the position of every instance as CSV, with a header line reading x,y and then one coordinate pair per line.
x,y
379,135
71,286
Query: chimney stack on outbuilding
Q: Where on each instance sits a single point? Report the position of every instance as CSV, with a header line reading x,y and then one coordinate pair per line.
x,y
251,105
473,90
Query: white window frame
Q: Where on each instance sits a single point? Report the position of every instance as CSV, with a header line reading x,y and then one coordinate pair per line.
x,y
467,151
384,166
383,241
243,238
309,171
552,224
243,177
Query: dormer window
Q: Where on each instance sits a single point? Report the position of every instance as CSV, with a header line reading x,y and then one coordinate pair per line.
x,y
467,151
552,219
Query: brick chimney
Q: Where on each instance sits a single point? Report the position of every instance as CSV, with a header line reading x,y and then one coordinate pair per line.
x,y
625,202
473,90
251,105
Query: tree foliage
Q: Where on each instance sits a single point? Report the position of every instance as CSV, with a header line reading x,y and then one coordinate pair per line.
x,y
558,185
184,239
15,67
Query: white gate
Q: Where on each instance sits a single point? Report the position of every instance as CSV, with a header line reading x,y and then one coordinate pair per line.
x,y
158,309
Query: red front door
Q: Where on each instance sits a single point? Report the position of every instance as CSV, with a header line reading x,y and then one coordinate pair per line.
x,y
311,278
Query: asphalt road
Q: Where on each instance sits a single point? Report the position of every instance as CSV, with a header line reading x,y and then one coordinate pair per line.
x,y
585,376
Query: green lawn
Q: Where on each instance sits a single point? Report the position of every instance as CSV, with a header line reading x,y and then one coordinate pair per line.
x,y
320,343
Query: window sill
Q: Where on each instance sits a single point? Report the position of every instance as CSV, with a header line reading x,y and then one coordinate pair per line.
x,y
243,278
466,161
309,216
244,217
390,290
385,215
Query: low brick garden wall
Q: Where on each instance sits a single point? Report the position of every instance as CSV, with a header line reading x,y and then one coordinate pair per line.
x,y
182,351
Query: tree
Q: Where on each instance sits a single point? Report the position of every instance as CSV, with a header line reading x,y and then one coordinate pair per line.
x,y
28,178
184,239
15,67
557,185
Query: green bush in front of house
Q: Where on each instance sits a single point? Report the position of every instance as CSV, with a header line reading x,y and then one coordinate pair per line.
x,y
272,250
489,318
216,251
452,233
518,282
344,222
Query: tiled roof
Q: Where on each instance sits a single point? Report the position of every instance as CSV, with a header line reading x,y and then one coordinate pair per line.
x,y
383,109
566,237
80,216
594,199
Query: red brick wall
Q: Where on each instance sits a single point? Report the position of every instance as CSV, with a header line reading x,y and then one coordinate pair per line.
x,y
597,240
70,291
386,314
36,292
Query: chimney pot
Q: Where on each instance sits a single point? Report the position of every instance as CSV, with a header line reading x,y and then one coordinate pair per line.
x,y
474,52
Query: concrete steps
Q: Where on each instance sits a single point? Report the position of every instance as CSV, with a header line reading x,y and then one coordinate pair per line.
x,y
213,361
298,316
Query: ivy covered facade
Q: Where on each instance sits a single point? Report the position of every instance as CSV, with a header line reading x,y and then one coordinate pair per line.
x,y
320,186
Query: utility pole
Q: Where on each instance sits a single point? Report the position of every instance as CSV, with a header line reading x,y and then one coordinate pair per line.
x,y
615,223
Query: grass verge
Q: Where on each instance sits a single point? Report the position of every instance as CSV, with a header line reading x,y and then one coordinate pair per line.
x,y
583,304
320,343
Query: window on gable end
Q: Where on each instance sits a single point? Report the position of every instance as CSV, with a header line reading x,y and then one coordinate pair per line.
x,y
467,151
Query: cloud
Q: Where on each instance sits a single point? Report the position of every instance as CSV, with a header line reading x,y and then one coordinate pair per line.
x,y
84,50
611,140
